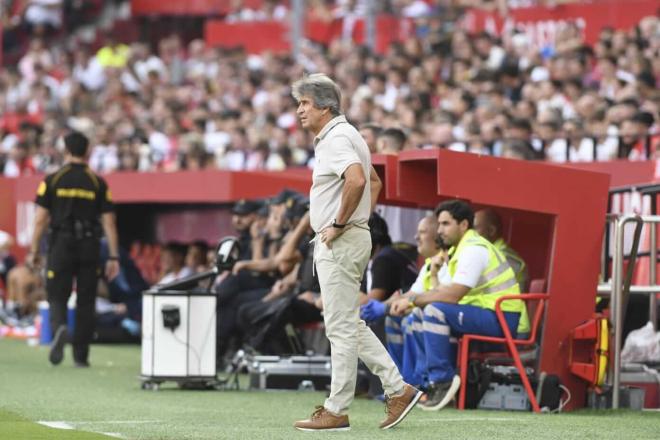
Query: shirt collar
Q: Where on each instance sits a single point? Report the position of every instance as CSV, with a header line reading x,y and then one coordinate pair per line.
x,y
329,126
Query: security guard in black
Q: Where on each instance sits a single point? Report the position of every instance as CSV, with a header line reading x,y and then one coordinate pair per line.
x,y
77,207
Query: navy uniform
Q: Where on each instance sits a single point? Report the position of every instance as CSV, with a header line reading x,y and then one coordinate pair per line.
x,y
75,199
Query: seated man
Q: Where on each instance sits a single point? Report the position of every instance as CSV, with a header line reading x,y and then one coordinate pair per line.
x,y
488,224
173,263
291,300
248,281
25,288
477,275
396,327
7,261
389,270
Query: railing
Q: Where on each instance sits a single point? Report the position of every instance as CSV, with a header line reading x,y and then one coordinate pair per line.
x,y
621,287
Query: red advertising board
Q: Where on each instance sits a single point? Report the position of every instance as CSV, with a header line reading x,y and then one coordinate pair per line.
x,y
255,37
542,23
274,36
187,7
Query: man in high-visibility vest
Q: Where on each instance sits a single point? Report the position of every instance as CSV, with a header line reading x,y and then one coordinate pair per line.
x,y
489,225
477,275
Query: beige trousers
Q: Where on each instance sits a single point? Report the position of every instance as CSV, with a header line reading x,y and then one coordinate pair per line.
x,y
340,270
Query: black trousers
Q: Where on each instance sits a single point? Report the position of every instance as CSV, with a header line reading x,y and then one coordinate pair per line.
x,y
70,258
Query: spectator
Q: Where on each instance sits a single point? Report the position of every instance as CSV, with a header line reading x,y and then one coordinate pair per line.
x,y
114,54
20,162
43,14
7,261
391,141
211,107
370,132
172,263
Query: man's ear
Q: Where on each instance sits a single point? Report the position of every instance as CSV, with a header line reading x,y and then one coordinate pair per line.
x,y
465,225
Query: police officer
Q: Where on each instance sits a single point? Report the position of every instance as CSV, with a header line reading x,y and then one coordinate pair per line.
x,y
71,201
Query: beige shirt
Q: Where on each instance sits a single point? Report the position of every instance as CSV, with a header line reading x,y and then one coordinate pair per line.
x,y
336,147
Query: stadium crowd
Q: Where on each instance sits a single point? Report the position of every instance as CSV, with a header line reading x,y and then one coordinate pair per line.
x,y
181,105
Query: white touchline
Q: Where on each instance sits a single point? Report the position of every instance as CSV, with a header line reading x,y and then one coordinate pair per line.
x,y
115,422
470,419
96,422
70,425
112,434
56,425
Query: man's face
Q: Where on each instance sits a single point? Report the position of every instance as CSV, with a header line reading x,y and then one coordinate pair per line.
x,y
449,230
425,237
310,116
483,227
242,222
369,138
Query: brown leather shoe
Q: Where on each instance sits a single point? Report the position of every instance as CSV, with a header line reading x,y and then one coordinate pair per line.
x,y
398,407
323,420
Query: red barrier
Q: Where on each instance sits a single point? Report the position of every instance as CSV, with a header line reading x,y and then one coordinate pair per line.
x,y
274,36
255,37
542,23
187,7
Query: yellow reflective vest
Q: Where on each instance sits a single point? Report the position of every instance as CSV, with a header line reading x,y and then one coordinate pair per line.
x,y
498,279
515,261
425,273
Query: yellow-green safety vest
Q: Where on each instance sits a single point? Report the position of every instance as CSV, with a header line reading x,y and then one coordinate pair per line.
x,y
426,275
515,261
497,280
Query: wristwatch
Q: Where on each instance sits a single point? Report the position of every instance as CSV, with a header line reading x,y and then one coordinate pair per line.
x,y
411,300
337,225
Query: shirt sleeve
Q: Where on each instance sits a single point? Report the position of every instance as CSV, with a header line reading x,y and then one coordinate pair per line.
x,y
470,266
43,197
418,285
106,197
385,275
343,155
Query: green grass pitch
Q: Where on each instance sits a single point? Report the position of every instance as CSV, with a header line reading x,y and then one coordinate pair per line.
x,y
107,400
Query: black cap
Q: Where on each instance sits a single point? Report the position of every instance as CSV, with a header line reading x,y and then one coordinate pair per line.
x,y
284,196
298,208
264,210
245,207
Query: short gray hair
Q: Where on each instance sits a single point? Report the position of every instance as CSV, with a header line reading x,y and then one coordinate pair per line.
x,y
322,90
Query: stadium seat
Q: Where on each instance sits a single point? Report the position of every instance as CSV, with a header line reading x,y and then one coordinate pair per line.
x,y
512,344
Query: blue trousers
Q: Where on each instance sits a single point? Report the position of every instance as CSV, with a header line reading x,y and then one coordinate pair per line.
x,y
405,342
398,337
442,324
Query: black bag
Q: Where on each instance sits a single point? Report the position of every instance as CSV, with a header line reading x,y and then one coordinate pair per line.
x,y
478,379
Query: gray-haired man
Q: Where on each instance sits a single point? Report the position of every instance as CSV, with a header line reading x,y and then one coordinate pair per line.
x,y
341,200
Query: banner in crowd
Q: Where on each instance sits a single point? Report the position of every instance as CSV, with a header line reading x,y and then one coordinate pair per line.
x,y
542,23
187,7
258,36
